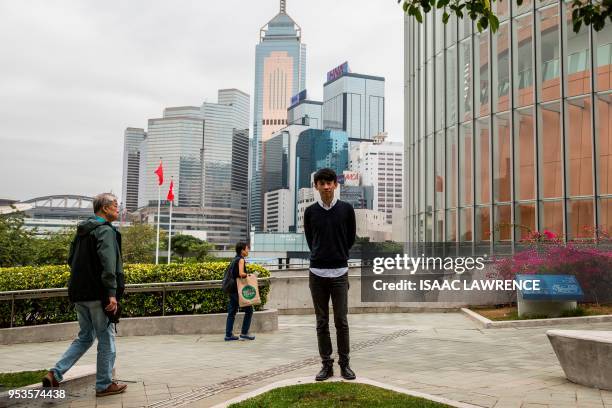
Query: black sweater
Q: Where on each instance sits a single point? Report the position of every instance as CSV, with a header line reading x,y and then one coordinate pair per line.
x,y
330,234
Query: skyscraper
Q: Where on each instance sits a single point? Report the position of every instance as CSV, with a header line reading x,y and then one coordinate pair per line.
x,y
280,72
354,103
131,162
205,149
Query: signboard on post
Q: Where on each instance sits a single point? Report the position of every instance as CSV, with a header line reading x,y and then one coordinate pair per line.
x,y
553,287
338,71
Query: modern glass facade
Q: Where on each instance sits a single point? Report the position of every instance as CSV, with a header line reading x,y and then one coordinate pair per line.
x,y
131,164
280,73
276,166
316,149
355,103
507,133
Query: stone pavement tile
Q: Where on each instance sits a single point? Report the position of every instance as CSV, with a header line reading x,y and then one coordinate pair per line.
x,y
481,400
532,405
508,402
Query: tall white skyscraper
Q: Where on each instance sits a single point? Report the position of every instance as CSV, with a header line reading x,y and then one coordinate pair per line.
x,y
280,73
205,150
381,165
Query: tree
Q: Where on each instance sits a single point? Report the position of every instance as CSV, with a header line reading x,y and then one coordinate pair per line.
x,y
584,12
190,246
16,241
53,247
138,243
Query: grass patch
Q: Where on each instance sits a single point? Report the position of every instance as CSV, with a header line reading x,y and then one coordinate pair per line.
x,y
8,381
335,394
502,313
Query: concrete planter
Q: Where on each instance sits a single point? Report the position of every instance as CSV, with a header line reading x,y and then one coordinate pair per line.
x,y
264,321
584,355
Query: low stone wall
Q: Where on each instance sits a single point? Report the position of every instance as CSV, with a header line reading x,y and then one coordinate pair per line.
x,y
264,321
290,294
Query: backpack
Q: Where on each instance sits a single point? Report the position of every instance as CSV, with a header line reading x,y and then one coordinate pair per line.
x,y
229,282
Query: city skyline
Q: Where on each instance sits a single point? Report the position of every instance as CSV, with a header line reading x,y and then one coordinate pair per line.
x,y
84,97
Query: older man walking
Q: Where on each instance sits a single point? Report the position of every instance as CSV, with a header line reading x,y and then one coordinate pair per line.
x,y
96,282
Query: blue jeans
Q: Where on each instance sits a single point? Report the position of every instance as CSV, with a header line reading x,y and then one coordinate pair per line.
x,y
93,324
232,309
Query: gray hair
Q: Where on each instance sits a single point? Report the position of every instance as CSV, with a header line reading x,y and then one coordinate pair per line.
x,y
102,200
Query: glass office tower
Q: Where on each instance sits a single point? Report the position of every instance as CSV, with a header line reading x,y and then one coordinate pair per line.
x,y
355,103
507,133
131,166
317,149
280,73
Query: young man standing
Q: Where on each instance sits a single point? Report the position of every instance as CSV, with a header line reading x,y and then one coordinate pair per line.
x,y
329,225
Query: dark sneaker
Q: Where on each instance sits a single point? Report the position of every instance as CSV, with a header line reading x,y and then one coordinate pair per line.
x,y
49,380
326,372
347,373
246,337
231,338
112,389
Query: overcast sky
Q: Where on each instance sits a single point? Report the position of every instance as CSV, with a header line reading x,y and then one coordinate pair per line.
x,y
75,74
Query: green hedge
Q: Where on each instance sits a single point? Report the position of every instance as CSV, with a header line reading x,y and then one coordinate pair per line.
x,y
57,310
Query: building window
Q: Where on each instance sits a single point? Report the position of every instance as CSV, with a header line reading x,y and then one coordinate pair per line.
x,y
579,147
550,150
524,149
523,63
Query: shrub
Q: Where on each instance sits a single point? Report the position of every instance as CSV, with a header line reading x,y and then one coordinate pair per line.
x,y
591,265
56,310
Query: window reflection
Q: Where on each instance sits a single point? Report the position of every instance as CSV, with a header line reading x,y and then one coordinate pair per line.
x,y
603,40
451,226
525,220
439,174
482,162
604,143
580,219
578,57
605,215
465,165
501,69
550,83
502,164
550,151
440,91
524,149
451,82
523,62
482,74
465,80
502,228
579,147
551,217
451,167
483,224
465,225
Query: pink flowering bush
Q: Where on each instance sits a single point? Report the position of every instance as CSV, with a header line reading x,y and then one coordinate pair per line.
x,y
545,253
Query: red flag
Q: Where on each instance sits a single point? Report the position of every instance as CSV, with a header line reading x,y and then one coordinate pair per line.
x,y
160,174
171,192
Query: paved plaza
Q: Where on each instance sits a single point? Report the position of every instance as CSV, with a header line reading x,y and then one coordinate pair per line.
x,y
443,354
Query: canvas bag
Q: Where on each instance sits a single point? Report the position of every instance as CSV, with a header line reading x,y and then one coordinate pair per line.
x,y
248,291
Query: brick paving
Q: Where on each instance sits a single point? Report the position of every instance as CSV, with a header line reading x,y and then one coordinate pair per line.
x,y
443,354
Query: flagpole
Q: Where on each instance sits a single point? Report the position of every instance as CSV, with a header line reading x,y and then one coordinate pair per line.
x,y
158,215
170,234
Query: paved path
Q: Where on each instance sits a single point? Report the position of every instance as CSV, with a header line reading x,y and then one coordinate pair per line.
x,y
443,354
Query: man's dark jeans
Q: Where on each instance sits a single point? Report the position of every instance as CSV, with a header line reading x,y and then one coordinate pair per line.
x,y
232,309
321,290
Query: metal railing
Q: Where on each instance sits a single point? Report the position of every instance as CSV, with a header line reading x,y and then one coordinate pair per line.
x,y
163,287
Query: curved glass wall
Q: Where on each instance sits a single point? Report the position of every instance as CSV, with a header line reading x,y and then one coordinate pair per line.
x,y
508,133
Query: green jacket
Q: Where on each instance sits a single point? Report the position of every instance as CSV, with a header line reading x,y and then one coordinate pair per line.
x,y
95,261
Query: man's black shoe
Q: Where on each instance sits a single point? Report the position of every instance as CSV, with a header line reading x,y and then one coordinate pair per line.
x,y
326,371
347,373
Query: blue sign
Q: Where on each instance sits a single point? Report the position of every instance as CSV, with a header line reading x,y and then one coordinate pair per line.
x,y
298,98
552,287
338,71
